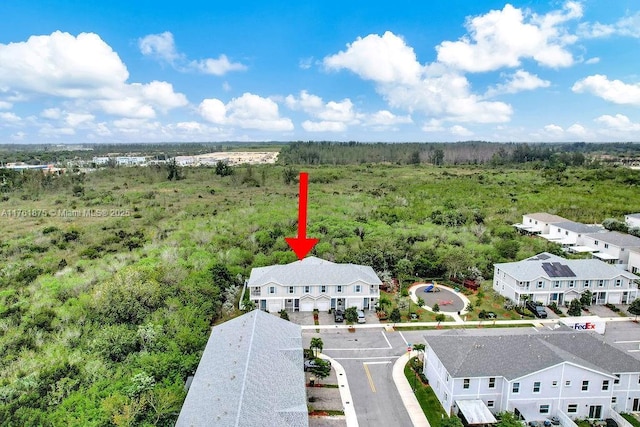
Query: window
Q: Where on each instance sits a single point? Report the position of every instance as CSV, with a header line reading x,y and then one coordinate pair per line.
x,y
567,383
515,388
585,385
323,289
272,289
586,283
618,282
290,289
571,283
448,377
536,387
554,384
572,408
556,283
606,246
614,400
492,382
490,404
617,379
544,409
595,242
540,284
605,385
600,283
466,382
339,289
307,289
358,288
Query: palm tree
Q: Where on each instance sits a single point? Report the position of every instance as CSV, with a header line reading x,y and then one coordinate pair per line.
x,y
316,344
420,349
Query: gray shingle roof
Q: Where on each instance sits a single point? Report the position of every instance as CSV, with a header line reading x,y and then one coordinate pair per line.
x,y
251,374
313,271
634,215
514,356
547,217
617,238
532,268
578,227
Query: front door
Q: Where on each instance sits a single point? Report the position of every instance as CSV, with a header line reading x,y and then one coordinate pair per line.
x,y
636,405
595,411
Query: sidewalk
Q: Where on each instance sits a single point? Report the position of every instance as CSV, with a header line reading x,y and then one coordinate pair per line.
x,y
406,393
345,392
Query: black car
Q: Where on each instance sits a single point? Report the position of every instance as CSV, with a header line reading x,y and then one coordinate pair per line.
x,y
537,309
338,316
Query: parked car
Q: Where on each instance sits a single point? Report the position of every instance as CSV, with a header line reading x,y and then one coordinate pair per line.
x,y
314,363
338,316
361,318
537,309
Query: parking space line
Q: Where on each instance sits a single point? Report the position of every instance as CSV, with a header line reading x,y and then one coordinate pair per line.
x,y
386,339
377,363
366,370
403,339
366,358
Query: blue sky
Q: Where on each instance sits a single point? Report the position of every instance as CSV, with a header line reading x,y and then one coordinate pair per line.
x,y
142,71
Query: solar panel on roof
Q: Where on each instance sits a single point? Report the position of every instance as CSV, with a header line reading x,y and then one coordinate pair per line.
x,y
556,269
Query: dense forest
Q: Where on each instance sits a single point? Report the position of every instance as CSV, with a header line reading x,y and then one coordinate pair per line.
x,y
111,280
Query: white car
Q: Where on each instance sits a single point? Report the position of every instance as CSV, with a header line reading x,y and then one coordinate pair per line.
x,y
361,318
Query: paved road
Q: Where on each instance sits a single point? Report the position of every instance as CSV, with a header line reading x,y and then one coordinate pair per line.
x,y
367,356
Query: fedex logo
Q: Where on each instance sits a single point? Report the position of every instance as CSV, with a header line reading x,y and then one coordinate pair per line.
x,y
584,326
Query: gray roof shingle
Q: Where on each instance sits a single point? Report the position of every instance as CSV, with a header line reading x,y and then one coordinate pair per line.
x,y
250,374
578,227
617,238
514,356
313,271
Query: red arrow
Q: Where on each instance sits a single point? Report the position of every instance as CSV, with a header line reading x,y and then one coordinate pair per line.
x,y
301,245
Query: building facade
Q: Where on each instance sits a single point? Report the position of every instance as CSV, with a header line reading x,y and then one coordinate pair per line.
x,y
548,278
567,373
313,283
612,247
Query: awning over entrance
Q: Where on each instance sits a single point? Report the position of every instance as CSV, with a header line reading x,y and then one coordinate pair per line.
x,y
475,412
603,256
580,249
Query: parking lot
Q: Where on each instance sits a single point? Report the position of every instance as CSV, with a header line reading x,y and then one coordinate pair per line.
x,y
325,318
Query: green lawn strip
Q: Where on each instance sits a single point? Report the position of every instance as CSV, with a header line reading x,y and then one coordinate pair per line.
x,y
427,399
633,420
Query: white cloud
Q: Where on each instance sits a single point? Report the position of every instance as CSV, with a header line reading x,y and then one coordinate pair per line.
x,y
385,59
161,95
619,122
160,46
554,130
52,131
407,85
593,60
614,91
629,26
248,111
517,82
4,105
577,130
217,67
62,65
460,131
387,118
305,63
433,125
51,113
324,126
131,107
501,38
75,119
9,117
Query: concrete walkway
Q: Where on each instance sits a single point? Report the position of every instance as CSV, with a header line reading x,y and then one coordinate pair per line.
x,y
345,392
406,392
454,314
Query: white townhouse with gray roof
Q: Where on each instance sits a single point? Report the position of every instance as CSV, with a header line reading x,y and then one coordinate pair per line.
x,y
612,247
632,220
250,374
538,223
313,283
548,278
571,234
562,373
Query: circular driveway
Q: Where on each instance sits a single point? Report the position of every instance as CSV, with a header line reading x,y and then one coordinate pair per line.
x,y
447,299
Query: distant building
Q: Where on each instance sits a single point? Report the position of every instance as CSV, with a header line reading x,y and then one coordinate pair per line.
x,y
568,374
612,247
632,220
538,223
571,234
130,160
548,278
99,161
250,374
313,283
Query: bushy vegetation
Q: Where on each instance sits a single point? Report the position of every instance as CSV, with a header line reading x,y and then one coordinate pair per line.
x,y
102,317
